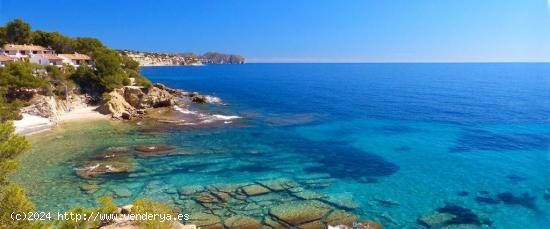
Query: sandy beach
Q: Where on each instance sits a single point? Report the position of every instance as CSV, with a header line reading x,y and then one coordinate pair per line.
x,y
33,124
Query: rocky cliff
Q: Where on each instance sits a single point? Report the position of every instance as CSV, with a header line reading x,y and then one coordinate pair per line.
x,y
52,107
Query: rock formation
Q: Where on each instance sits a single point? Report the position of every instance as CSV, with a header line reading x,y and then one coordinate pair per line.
x,y
52,108
131,101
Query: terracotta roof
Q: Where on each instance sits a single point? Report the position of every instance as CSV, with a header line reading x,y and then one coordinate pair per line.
x,y
13,47
75,56
50,56
5,58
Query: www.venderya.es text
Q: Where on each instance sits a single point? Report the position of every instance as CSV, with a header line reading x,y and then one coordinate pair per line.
x,y
96,216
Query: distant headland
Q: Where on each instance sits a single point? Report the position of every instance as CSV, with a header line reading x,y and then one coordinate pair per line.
x,y
177,59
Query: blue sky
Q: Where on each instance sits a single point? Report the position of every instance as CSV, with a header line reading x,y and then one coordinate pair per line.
x,y
307,30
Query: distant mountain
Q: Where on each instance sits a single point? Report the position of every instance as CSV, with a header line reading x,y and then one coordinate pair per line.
x,y
170,59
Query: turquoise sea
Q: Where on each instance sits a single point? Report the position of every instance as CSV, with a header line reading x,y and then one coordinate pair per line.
x,y
384,142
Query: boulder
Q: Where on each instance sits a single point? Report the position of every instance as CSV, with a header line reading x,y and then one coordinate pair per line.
x,y
116,104
126,209
134,96
199,99
126,115
157,97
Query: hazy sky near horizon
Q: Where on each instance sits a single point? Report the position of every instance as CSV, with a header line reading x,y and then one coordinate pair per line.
x,y
306,30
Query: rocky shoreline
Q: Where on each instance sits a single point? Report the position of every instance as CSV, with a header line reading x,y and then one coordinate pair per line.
x,y
126,103
181,59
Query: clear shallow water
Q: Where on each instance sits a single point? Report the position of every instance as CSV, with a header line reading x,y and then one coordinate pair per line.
x,y
398,140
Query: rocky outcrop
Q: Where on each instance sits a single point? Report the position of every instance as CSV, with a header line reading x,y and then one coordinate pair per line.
x,y
132,101
117,106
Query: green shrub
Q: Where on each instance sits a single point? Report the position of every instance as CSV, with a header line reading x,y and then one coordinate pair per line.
x,y
143,206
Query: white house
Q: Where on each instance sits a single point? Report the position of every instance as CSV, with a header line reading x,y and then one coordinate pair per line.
x,y
24,51
5,60
46,59
76,59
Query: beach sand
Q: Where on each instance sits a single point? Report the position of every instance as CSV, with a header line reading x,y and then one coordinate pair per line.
x,y
33,124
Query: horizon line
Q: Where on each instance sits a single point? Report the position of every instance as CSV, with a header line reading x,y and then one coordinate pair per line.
x,y
249,61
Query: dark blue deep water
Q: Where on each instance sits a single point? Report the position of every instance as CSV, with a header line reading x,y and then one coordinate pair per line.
x,y
421,136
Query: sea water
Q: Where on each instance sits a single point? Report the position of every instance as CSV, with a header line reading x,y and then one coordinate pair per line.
x,y
396,140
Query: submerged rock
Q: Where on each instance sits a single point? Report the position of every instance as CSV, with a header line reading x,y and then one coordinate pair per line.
x,y
205,220
452,216
340,218
463,215
89,188
308,195
297,213
343,201
93,169
279,184
255,189
242,222
524,200
486,200
463,193
112,153
122,192
435,219
153,148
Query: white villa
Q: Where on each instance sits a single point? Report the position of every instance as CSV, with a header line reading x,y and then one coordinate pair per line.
x,y
40,55
22,52
5,60
76,59
46,59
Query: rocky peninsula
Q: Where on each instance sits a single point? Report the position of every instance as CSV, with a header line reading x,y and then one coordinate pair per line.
x,y
181,59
